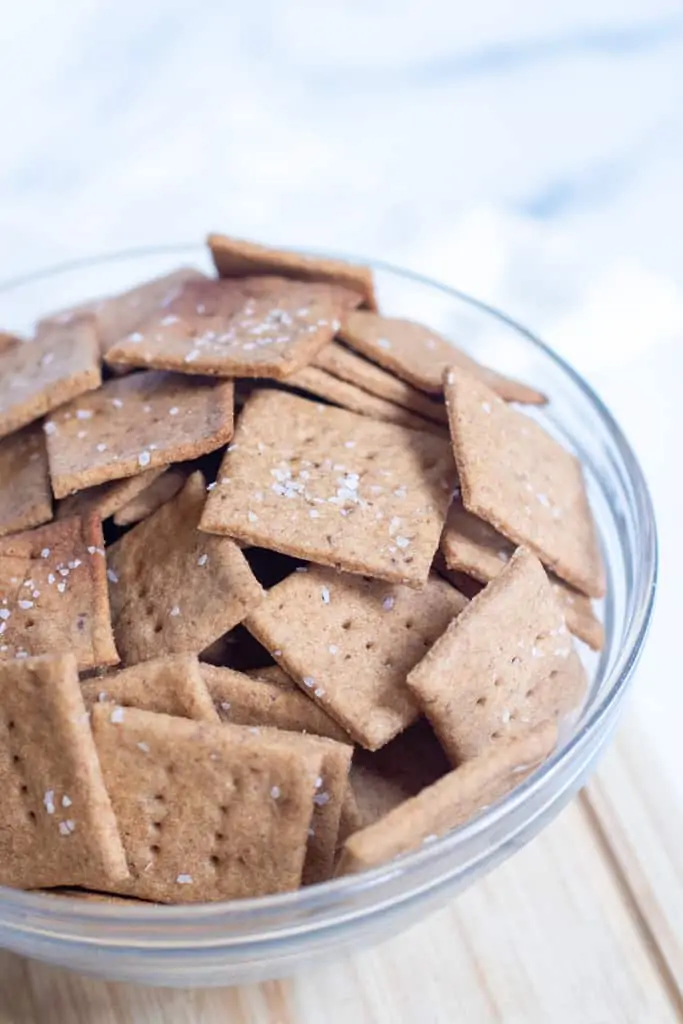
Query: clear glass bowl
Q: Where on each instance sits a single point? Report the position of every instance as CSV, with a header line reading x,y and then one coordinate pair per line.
x,y
250,940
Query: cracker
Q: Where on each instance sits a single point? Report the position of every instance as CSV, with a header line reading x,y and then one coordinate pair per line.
x,y
332,389
342,363
350,642
276,675
471,546
25,496
53,593
450,802
521,481
106,499
136,423
173,589
37,376
206,812
234,257
56,823
255,327
324,484
256,699
170,685
160,490
504,665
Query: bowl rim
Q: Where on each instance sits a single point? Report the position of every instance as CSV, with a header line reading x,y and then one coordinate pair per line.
x,y
71,912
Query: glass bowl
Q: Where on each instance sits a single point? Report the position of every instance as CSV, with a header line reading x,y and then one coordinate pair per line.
x,y
250,940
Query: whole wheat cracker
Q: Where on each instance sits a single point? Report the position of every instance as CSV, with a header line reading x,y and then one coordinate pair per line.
x,y
139,422
448,803
471,546
56,822
53,593
419,355
106,499
350,641
38,375
160,490
252,327
504,665
521,481
206,812
325,484
254,699
25,495
234,257
173,589
347,365
171,684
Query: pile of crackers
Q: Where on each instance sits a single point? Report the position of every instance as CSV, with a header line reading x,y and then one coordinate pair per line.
x,y
287,586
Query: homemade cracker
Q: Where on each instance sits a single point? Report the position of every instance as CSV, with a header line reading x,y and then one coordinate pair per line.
x,y
327,485
160,490
504,665
419,355
471,546
350,641
522,482
36,376
234,257
450,802
136,423
206,812
56,821
170,685
255,699
53,593
25,495
254,327
173,589
106,499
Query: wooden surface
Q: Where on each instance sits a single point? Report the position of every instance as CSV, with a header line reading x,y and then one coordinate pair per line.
x,y
584,926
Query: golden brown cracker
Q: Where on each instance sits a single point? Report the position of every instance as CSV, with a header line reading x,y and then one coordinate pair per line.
x,y
521,481
160,490
234,257
36,376
56,823
504,665
350,641
53,593
324,484
25,495
450,802
106,499
169,685
173,589
136,423
206,812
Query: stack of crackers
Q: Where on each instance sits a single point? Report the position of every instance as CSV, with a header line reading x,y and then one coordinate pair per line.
x,y
287,587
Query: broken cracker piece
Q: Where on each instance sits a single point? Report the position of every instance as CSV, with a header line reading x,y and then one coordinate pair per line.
x,y
161,489
25,495
170,685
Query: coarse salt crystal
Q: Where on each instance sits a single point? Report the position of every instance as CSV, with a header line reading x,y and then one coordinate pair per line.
x,y
309,681
117,403
66,801
202,560
275,792
384,343
252,517
144,747
134,337
144,459
184,879
320,799
173,411
49,427
45,553
175,610
402,542
313,513
61,587
333,649
325,595
49,801
111,575
66,827
388,603
83,414
319,692
117,716
5,613
25,605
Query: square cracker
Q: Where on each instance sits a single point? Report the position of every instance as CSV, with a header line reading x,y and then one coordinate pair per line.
x,y
234,257
157,492
327,485
450,802
350,642
56,823
36,376
170,685
253,327
173,589
206,812
136,423
53,593
255,699
504,665
471,546
419,355
346,365
106,499
324,385
25,495
521,481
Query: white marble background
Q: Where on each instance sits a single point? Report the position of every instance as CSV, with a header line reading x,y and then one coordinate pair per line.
x,y
528,151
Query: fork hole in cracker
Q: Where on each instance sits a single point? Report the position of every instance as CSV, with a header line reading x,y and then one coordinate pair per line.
x,y
155,849
214,860
347,624
219,837
10,726
529,693
408,623
369,645
481,701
